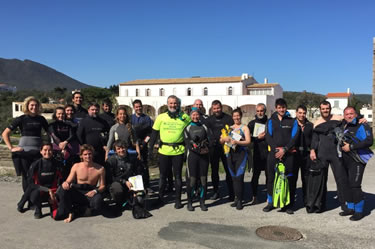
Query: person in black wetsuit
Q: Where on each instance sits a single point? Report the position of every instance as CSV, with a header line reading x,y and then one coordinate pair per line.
x,y
324,148
79,193
356,154
260,148
282,132
43,176
30,125
94,131
107,113
216,122
142,125
197,138
120,168
239,138
62,135
303,147
80,112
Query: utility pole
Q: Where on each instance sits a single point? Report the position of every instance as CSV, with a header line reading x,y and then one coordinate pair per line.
x,y
373,87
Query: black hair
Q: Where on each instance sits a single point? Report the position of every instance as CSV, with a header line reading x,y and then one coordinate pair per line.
x,y
280,102
238,110
137,101
55,111
216,102
303,107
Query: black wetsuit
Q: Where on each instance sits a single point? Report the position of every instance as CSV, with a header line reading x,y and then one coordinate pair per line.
x,y
354,169
31,130
94,131
302,160
324,144
79,114
197,137
119,169
61,131
282,134
142,126
215,124
109,117
44,174
259,155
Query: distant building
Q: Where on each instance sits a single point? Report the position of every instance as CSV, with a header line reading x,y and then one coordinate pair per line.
x,y
339,101
47,109
235,91
366,111
7,88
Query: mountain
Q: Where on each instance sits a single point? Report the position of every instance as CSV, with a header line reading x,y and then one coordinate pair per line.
x,y
30,75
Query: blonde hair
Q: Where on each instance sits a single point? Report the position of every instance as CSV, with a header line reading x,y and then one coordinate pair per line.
x,y
26,102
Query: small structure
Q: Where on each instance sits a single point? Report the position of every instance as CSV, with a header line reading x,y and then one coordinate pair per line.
x,y
339,101
7,88
47,109
366,111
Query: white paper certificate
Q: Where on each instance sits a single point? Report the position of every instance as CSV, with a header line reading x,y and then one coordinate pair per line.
x,y
258,128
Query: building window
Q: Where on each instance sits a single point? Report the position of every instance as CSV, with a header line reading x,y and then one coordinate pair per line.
x,y
230,90
205,91
137,92
369,116
17,109
161,92
336,104
148,92
188,92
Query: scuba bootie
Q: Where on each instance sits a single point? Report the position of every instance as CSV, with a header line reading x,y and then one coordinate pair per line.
x,y
203,206
239,205
178,204
347,212
190,206
235,202
356,216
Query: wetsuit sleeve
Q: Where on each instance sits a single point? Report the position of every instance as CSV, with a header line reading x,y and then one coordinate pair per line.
x,y
364,134
71,134
15,123
296,130
314,140
52,132
154,136
111,136
44,124
80,132
269,135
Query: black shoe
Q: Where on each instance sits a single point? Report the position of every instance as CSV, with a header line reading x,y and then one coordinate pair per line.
x,y
239,205
289,210
231,198
268,208
347,212
254,201
203,206
215,196
310,210
178,205
190,207
234,204
38,214
356,216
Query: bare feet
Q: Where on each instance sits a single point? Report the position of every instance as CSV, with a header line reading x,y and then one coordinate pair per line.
x,y
69,219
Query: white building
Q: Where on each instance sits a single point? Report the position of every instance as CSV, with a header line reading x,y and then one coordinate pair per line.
x,y
366,111
235,91
47,109
339,101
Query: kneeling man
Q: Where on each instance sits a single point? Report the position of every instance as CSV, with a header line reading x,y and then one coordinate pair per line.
x,y
83,187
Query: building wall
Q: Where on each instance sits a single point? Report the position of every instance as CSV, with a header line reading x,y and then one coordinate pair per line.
x,y
367,113
338,104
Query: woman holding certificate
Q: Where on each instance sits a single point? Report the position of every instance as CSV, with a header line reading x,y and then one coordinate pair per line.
x,y
238,140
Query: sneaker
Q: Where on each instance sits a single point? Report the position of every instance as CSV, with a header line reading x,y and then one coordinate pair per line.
x,y
215,196
268,208
356,216
347,212
254,201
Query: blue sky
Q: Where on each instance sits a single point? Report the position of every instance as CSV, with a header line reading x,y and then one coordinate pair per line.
x,y
319,46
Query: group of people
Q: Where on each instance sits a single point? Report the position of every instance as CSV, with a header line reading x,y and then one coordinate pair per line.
x,y
89,155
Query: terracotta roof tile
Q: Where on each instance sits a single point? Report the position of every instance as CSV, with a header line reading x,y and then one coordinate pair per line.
x,y
338,95
193,80
263,85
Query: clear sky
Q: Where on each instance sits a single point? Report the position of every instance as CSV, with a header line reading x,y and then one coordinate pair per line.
x,y
315,45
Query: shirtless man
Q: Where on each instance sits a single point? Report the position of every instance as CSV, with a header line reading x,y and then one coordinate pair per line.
x,y
84,192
